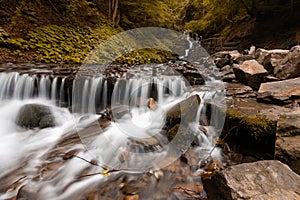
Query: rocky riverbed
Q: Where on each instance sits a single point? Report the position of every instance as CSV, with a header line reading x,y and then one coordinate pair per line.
x,y
259,142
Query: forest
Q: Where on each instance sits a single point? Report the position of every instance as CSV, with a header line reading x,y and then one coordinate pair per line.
x,y
64,31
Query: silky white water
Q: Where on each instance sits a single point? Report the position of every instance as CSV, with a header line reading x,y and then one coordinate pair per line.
x,y
23,150
134,141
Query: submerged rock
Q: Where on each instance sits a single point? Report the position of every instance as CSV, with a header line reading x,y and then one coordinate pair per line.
x,y
258,180
250,73
35,116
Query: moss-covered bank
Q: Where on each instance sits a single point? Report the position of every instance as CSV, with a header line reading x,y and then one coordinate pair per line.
x,y
252,135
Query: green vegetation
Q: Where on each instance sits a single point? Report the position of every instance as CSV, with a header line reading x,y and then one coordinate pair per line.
x,y
253,133
64,31
146,56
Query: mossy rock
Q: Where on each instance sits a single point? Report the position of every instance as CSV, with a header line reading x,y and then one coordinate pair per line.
x,y
35,116
252,135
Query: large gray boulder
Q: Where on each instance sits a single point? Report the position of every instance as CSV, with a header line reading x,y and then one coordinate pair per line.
x,y
35,116
259,180
250,73
289,67
280,92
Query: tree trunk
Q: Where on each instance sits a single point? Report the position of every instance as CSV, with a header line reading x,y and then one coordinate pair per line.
x,y
115,10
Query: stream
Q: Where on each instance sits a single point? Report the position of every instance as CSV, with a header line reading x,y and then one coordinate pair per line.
x,y
80,156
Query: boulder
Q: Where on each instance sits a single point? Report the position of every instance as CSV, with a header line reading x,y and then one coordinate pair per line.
x,y
221,62
270,58
279,92
35,116
259,180
288,152
289,123
250,73
289,67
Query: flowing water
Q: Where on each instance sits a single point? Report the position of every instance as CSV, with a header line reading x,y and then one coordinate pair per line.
x,y
134,143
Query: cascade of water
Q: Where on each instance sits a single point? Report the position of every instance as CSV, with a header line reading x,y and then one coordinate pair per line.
x,y
62,92
44,87
14,85
54,89
135,92
189,48
23,86
89,94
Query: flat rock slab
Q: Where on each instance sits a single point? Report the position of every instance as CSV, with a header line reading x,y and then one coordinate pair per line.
x,y
239,90
258,180
280,92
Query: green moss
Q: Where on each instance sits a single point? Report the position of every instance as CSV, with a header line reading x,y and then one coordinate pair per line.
x,y
64,44
254,135
144,56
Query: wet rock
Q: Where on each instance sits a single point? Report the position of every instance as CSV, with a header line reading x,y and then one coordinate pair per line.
x,y
280,92
289,67
27,193
258,180
288,152
35,116
250,73
194,77
151,104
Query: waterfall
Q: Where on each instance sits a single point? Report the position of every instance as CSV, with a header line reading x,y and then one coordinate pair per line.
x,y
133,140
54,89
89,94
44,87
137,91
15,85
